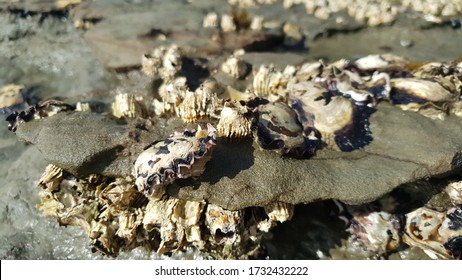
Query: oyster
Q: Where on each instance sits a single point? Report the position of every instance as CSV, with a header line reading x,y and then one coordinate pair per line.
x,y
377,232
277,127
342,124
182,155
437,233
40,110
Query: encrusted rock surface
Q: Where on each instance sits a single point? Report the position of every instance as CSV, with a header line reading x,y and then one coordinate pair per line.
x,y
407,147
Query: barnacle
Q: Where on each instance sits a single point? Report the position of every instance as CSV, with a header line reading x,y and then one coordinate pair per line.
x,y
235,121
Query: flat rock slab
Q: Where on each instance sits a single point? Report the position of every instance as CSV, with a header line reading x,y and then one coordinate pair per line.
x,y
407,147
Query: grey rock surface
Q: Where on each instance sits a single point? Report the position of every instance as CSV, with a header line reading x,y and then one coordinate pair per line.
x,y
407,147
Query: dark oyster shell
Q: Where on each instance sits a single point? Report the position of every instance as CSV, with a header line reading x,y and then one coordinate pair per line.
x,y
278,128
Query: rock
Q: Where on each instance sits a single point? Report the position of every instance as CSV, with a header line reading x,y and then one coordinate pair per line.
x,y
407,147
87,143
119,45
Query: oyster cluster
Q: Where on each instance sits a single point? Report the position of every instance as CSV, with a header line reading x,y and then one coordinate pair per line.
x,y
436,228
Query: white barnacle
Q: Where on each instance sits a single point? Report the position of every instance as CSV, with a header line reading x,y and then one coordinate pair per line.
x,y
235,121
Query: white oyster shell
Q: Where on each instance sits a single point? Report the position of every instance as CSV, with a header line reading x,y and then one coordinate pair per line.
x,y
182,155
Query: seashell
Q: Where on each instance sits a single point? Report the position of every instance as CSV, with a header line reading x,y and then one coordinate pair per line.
x,y
257,23
435,232
380,62
235,67
235,121
83,107
222,223
127,106
454,191
377,232
129,222
309,71
279,211
416,94
236,95
292,35
277,127
40,110
182,155
342,124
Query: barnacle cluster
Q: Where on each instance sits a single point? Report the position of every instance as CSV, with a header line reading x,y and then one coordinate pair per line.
x,y
370,12
117,217
379,229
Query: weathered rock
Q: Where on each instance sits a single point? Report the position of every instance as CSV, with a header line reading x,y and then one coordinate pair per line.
x,y
88,143
406,147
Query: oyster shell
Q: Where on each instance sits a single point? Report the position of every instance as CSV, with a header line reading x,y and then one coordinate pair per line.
x,y
377,232
437,233
182,155
454,191
277,127
342,124
40,110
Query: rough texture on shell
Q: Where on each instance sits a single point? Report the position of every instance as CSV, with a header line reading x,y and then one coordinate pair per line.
x,y
454,191
127,106
342,124
377,232
163,62
435,231
235,67
267,81
182,155
202,103
235,121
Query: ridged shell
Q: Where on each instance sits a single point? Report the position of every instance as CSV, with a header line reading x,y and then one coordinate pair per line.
x,y
182,155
